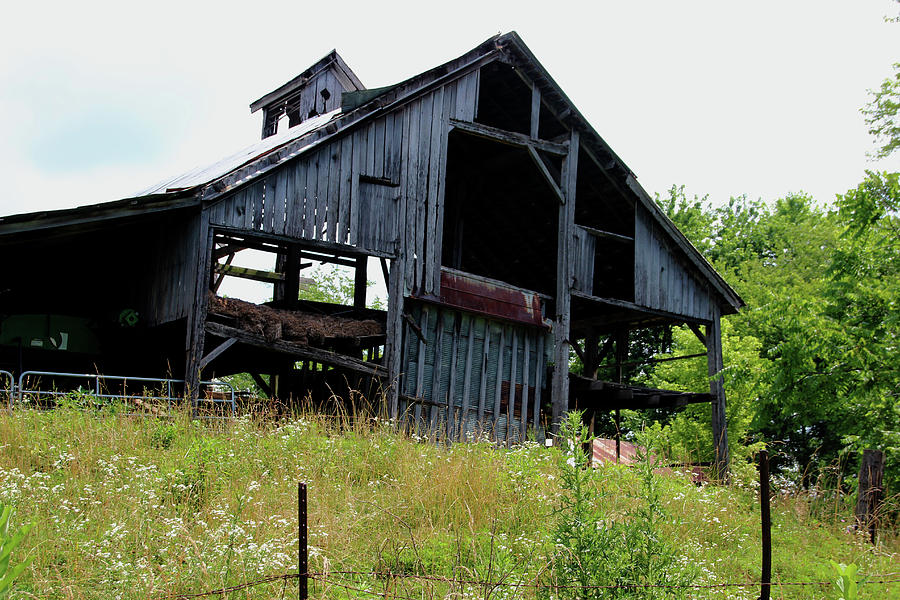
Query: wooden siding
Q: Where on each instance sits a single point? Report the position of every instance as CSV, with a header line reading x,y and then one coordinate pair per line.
x,y
379,188
661,280
584,250
472,376
172,271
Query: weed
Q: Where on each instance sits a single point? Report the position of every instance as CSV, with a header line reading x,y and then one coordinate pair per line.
x,y
595,549
8,543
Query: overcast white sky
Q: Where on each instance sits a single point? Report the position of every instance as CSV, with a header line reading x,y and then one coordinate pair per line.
x,y
100,100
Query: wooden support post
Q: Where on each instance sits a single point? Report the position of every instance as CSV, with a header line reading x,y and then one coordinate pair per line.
x,y
871,474
215,352
393,346
766,523
591,358
265,387
717,389
359,282
564,275
292,266
196,321
621,357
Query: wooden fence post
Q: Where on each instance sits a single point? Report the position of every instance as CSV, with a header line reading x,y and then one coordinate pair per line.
x,y
766,518
868,503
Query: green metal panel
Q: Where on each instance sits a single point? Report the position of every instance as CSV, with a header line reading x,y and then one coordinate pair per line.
x,y
58,333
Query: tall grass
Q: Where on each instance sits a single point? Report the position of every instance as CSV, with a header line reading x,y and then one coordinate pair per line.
x,y
130,507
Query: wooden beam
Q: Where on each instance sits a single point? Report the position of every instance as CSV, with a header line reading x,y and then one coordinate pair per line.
x,y
697,332
332,248
221,276
227,250
217,351
542,168
385,271
607,234
535,111
637,308
298,350
508,137
267,390
245,273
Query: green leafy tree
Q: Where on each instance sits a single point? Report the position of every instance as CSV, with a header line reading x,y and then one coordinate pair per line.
x,y
335,286
881,111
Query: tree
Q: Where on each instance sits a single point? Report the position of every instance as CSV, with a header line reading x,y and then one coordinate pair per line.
x,y
334,285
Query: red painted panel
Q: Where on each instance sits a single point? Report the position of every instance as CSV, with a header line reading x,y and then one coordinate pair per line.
x,y
490,298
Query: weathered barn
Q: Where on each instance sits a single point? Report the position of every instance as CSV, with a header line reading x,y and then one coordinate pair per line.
x,y
508,232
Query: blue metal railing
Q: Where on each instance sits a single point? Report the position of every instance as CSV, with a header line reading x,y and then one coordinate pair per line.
x,y
98,387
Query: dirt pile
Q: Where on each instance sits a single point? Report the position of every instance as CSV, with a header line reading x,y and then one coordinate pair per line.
x,y
293,326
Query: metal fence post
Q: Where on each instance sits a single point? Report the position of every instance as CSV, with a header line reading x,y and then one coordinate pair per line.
x,y
766,518
303,557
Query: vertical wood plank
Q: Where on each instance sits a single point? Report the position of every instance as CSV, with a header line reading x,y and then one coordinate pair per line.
x,y
387,166
538,383
334,190
378,156
641,243
511,399
467,379
425,116
392,168
461,109
359,145
437,249
323,159
452,406
292,217
312,191
420,367
278,201
346,185
437,392
498,389
411,151
526,366
434,189
535,110
482,391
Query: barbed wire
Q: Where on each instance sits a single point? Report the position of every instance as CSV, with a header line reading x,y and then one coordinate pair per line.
x,y
324,576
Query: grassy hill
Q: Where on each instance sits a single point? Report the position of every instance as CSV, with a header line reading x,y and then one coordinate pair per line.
x,y
130,507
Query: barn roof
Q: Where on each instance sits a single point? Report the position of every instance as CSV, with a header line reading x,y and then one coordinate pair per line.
x,y
206,184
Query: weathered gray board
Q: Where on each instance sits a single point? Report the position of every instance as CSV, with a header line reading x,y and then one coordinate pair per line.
x,y
489,373
660,278
584,251
172,271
